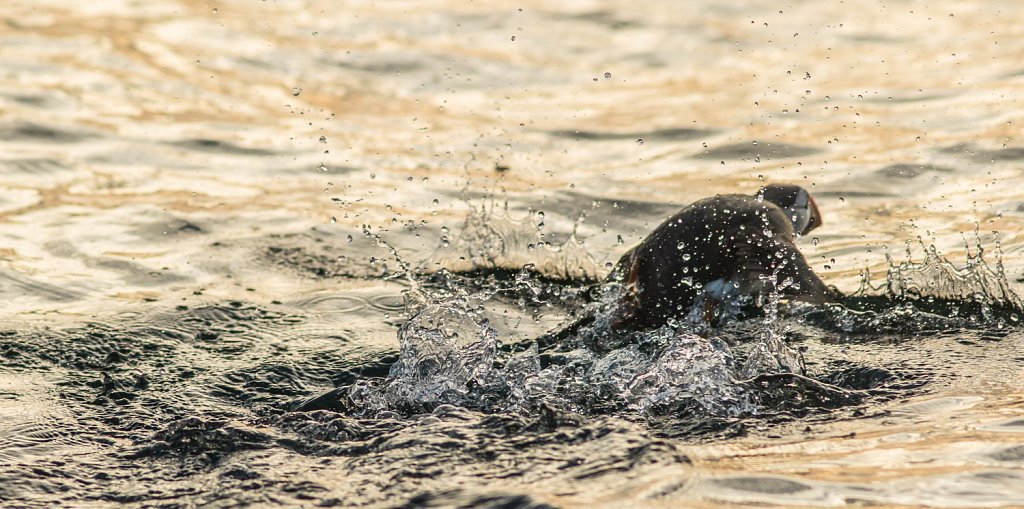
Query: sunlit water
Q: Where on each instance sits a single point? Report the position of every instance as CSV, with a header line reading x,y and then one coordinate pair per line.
x,y
272,253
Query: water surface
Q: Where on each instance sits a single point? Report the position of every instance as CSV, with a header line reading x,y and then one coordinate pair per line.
x,y
187,189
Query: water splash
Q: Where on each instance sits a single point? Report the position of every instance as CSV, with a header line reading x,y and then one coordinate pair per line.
x,y
935,278
693,370
451,355
491,239
771,354
446,350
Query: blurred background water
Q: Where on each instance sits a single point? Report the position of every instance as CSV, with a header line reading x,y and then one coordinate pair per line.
x,y
187,189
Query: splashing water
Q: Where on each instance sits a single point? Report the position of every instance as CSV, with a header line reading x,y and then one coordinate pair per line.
x,y
692,371
450,354
935,278
772,354
446,349
491,239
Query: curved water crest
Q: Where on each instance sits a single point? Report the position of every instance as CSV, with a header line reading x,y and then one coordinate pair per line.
x,y
935,289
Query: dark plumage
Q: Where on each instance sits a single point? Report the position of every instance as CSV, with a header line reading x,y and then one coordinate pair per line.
x,y
716,248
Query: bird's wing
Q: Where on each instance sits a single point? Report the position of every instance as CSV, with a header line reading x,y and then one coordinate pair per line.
x,y
759,257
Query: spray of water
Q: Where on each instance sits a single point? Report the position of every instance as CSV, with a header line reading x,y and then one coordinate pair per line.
x,y
449,354
772,354
490,238
935,278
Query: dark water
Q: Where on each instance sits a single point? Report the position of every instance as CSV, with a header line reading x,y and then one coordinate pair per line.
x,y
311,253
196,403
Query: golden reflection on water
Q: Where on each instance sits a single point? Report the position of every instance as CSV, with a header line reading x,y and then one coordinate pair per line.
x,y
122,121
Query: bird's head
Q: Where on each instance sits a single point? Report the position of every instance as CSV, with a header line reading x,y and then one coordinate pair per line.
x,y
796,202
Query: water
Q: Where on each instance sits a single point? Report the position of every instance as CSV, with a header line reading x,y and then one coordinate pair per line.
x,y
211,212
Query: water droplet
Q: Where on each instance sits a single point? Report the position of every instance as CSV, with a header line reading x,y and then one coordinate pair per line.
x,y
686,257
814,241
639,141
680,245
348,239
323,139
618,240
334,220
322,167
607,75
296,91
435,201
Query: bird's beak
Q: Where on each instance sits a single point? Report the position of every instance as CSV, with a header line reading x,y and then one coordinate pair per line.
x,y
815,220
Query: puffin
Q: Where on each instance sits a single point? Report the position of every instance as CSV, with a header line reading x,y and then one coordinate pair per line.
x,y
716,250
